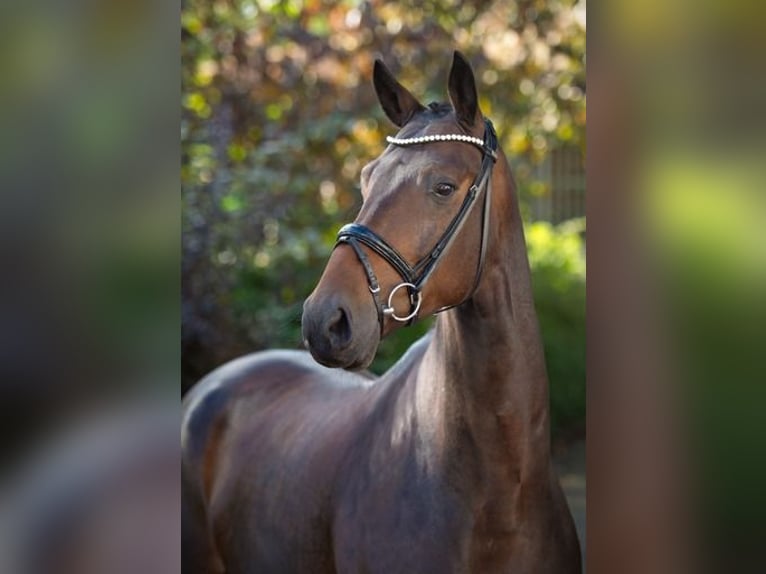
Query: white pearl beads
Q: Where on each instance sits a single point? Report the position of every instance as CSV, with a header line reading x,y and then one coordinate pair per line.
x,y
436,138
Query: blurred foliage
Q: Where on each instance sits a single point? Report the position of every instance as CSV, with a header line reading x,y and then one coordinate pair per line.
x,y
557,260
279,116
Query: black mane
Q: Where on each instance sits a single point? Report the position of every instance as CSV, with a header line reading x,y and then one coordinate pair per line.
x,y
440,108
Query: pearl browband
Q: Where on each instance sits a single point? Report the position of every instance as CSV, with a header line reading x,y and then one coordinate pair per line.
x,y
437,138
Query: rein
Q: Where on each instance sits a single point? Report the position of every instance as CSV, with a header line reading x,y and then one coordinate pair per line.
x,y
415,277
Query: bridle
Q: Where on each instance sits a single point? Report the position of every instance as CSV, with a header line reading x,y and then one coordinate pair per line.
x,y
414,277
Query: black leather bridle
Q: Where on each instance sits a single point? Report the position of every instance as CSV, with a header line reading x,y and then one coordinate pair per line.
x,y
414,277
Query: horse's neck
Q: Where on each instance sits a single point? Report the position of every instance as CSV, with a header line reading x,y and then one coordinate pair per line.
x,y
483,385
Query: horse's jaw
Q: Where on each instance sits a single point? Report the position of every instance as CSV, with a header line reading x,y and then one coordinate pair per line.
x,y
348,363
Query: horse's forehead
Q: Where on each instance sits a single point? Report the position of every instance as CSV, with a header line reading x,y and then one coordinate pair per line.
x,y
413,159
399,164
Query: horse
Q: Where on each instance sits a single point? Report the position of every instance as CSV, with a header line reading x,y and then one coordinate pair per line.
x,y
296,462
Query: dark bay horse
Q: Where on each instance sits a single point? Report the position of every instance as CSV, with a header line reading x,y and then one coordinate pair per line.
x,y
442,464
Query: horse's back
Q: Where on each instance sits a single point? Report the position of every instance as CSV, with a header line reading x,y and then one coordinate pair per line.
x,y
261,437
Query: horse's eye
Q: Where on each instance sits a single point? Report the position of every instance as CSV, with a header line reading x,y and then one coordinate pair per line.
x,y
444,189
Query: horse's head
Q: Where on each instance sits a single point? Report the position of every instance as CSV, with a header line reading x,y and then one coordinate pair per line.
x,y
417,244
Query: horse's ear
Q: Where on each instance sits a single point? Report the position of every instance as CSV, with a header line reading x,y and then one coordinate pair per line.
x,y
462,91
396,101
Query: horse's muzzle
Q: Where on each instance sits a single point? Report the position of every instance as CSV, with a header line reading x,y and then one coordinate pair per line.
x,y
334,336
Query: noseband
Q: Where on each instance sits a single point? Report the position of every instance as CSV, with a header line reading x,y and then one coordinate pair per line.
x,y
415,277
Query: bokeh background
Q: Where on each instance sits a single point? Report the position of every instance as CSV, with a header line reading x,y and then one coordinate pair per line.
x,y
279,116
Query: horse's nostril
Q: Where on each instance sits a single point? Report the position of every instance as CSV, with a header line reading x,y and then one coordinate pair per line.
x,y
339,328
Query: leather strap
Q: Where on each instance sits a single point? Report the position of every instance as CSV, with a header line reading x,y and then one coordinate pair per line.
x,y
379,246
372,279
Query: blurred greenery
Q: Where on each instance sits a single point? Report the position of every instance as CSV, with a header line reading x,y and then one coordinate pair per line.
x,y
557,260
279,116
